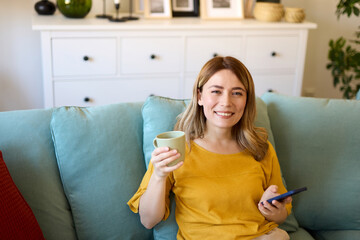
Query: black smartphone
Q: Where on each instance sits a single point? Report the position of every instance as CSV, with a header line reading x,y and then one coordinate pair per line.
x,y
287,194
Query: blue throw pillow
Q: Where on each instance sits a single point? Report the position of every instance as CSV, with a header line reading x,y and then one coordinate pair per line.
x,y
159,115
99,155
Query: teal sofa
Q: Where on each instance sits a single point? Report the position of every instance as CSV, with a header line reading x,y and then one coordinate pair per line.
x,y
78,167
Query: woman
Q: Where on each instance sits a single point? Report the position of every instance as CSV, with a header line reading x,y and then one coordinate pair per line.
x,y
230,168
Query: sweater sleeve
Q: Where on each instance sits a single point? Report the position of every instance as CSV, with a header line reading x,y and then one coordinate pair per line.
x,y
134,201
275,176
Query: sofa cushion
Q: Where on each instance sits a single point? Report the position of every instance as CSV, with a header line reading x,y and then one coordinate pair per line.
x,y
300,234
25,140
317,142
99,154
159,115
17,221
336,235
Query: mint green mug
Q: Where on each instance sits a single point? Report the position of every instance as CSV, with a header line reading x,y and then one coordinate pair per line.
x,y
173,140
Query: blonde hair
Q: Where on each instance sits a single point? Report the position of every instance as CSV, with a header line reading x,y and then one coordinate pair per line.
x,y
193,121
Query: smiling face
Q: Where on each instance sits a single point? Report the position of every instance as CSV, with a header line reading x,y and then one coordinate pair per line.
x,y
223,98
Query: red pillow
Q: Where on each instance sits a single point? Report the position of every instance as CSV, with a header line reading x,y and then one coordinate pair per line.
x,y
17,221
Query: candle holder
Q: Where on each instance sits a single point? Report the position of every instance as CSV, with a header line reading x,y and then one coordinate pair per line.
x,y
117,19
104,11
130,17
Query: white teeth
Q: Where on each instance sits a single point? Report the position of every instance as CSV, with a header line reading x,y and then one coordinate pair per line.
x,y
224,114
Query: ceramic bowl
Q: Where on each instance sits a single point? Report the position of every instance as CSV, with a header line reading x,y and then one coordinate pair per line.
x,y
268,12
294,15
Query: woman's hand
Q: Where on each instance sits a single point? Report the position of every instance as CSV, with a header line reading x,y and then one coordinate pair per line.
x,y
152,202
274,211
161,157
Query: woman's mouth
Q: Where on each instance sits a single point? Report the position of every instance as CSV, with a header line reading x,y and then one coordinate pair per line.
x,y
224,114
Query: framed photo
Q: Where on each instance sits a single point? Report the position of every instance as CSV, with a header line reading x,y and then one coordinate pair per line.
x,y
222,9
157,9
139,6
185,8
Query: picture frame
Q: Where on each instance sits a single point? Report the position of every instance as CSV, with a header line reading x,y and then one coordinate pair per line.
x,y
160,9
222,9
185,8
139,6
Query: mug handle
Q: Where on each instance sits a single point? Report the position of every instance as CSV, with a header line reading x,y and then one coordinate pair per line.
x,y
155,143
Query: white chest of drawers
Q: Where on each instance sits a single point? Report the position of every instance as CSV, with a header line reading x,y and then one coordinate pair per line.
x,y
93,62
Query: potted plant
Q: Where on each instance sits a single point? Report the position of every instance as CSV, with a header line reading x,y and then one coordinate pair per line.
x,y
344,55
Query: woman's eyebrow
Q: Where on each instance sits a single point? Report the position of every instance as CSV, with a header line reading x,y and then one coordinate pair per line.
x,y
221,87
239,88
216,86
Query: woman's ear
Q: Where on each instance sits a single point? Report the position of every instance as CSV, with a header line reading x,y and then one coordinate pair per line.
x,y
199,97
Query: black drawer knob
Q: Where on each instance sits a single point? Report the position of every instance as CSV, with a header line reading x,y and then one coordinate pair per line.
x,y
87,99
86,58
273,54
152,56
270,90
215,55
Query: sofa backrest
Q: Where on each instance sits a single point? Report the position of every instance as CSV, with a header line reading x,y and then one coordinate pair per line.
x,y
318,146
28,151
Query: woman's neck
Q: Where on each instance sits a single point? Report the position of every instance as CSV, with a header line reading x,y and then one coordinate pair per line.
x,y
219,142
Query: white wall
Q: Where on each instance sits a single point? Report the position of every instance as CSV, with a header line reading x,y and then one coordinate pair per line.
x,y
20,59
20,69
322,12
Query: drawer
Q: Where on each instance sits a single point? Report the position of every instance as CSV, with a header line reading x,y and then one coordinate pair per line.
x,y
265,52
84,56
284,84
201,49
91,93
151,55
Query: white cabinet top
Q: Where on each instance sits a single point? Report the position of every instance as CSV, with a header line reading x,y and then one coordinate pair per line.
x,y
90,22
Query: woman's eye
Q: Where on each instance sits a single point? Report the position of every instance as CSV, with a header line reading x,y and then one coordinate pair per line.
x,y
215,91
238,93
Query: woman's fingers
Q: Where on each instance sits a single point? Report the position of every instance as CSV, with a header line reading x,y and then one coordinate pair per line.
x,y
159,150
173,168
161,157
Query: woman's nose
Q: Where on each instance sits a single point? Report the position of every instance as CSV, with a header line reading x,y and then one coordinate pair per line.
x,y
225,99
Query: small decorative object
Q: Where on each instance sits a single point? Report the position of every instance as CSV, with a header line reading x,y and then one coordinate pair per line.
x,y
117,7
44,7
271,1
185,8
249,8
130,17
74,8
294,15
268,12
157,9
139,6
222,9
104,11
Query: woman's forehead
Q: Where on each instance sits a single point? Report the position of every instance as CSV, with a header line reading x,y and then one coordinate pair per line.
x,y
224,78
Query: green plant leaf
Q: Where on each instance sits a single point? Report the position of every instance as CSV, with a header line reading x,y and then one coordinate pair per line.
x,y
356,11
344,59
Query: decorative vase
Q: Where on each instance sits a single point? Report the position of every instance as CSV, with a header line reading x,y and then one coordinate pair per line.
x,y
44,7
74,8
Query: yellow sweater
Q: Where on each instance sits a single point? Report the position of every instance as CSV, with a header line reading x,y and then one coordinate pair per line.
x,y
217,194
